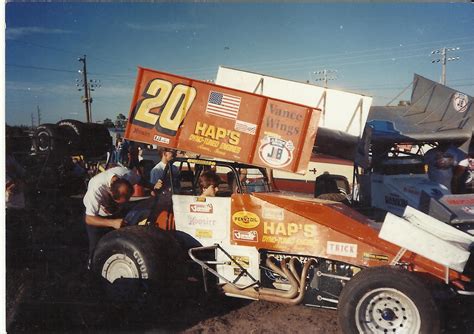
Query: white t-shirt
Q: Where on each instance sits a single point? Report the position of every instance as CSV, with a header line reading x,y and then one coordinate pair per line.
x,y
468,162
98,197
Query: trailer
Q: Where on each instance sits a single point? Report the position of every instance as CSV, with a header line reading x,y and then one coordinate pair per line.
x,y
260,244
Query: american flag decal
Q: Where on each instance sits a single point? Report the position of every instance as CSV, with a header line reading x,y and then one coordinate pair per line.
x,y
223,105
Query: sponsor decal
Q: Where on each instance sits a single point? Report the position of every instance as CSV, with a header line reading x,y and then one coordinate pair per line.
x,y
394,199
279,120
301,235
273,213
161,139
460,201
206,234
243,261
201,208
276,152
202,221
245,235
341,248
141,131
210,137
411,190
246,219
238,272
280,257
201,162
245,127
289,229
375,257
460,102
468,209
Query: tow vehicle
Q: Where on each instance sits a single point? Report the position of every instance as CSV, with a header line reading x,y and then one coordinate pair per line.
x,y
266,245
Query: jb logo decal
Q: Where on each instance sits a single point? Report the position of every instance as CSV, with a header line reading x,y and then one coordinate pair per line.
x,y
460,102
276,152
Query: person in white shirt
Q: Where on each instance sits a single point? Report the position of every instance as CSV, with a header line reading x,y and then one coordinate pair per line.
x,y
441,162
106,193
465,174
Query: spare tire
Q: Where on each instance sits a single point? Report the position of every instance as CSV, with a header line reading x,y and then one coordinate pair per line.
x,y
49,138
74,131
90,139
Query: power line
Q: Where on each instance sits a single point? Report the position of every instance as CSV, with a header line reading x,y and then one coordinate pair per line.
x,y
68,52
66,71
287,63
40,68
291,61
44,46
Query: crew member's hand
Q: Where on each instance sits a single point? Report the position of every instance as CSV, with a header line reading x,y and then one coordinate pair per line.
x,y
158,185
117,223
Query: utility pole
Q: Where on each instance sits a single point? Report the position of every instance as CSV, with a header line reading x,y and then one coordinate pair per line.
x,y
443,59
32,121
88,86
86,98
39,114
325,75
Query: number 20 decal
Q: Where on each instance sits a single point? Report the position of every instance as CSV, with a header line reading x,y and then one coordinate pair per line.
x,y
174,103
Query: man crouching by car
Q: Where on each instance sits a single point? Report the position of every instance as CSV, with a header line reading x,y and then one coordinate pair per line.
x,y
106,195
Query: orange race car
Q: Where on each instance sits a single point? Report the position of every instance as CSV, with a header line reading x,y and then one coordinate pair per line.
x,y
262,244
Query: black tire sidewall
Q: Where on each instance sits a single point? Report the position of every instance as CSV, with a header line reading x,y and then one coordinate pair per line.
x,y
135,244
393,278
55,138
157,255
74,131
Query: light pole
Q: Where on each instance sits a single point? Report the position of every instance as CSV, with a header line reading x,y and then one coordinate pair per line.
x,y
443,60
325,75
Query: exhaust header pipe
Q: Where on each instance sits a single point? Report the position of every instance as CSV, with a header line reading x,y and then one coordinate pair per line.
x,y
297,282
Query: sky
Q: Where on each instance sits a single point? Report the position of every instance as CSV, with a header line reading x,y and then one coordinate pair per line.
x,y
375,48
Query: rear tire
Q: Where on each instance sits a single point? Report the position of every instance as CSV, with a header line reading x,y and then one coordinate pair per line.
x,y
387,300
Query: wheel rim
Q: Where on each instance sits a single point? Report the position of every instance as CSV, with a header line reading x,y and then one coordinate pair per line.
x,y
43,141
387,310
119,266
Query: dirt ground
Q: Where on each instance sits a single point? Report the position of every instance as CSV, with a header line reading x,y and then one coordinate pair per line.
x,y
50,290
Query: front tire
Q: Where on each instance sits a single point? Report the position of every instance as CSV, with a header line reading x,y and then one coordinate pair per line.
x,y
387,300
135,262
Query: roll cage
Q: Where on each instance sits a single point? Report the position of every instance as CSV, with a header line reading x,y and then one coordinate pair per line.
x,y
188,171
